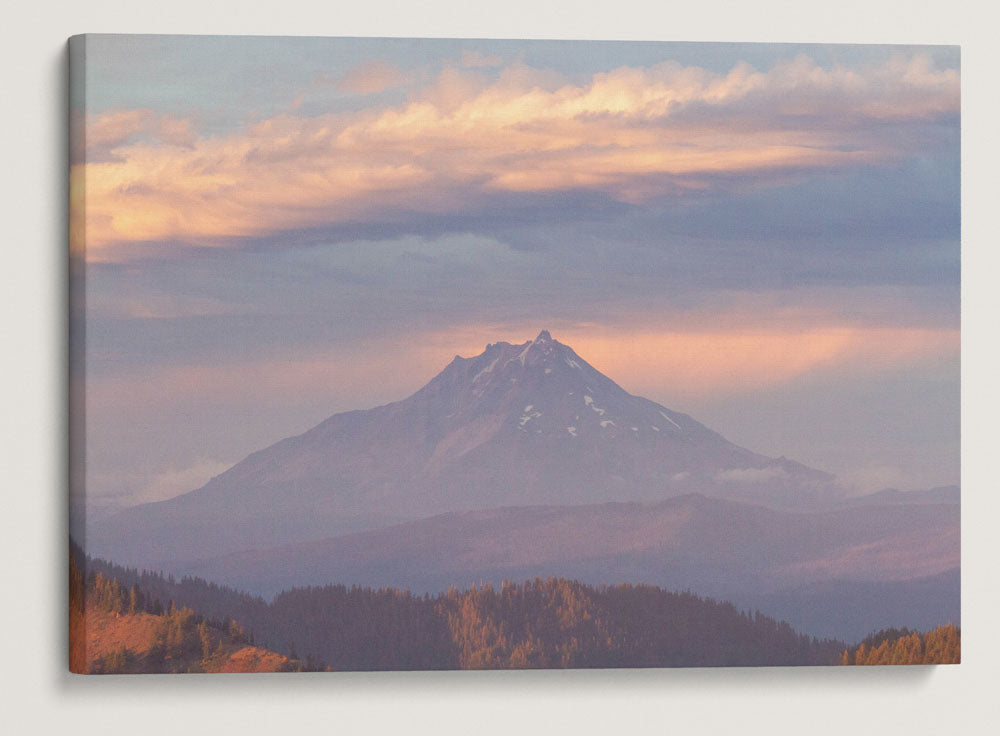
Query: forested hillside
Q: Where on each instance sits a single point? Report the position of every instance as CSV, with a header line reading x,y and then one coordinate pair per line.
x,y
943,645
204,627
539,623
116,629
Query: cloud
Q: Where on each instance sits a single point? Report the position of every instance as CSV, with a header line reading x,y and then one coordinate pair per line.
x,y
174,482
632,135
117,126
372,78
110,131
175,131
745,359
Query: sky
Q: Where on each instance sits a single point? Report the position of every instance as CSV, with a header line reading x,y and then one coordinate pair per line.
x,y
272,230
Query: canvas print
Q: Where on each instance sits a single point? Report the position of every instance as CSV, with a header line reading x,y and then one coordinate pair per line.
x,y
415,354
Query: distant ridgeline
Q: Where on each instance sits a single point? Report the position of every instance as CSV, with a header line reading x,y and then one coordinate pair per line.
x,y
540,623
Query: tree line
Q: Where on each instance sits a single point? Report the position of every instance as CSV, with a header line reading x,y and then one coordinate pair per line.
x,y
943,645
536,624
177,639
540,623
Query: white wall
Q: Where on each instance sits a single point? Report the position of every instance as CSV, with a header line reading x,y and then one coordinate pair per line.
x,y
36,690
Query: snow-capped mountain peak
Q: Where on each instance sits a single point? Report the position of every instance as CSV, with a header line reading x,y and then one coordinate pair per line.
x,y
567,396
518,424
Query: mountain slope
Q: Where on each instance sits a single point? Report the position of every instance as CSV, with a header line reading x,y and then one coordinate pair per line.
x,y
716,547
845,609
118,629
516,425
893,496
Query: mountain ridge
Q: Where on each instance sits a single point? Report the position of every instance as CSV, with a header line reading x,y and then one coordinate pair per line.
x,y
716,546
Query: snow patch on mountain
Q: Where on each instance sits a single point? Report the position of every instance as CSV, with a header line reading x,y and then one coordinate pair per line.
x,y
525,418
671,421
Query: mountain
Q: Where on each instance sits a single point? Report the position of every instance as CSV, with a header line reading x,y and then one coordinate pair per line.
x,y
721,547
893,496
843,609
528,424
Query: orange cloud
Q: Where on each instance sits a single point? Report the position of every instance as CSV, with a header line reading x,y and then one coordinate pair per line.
x,y
733,359
117,126
372,78
738,361
117,129
630,133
